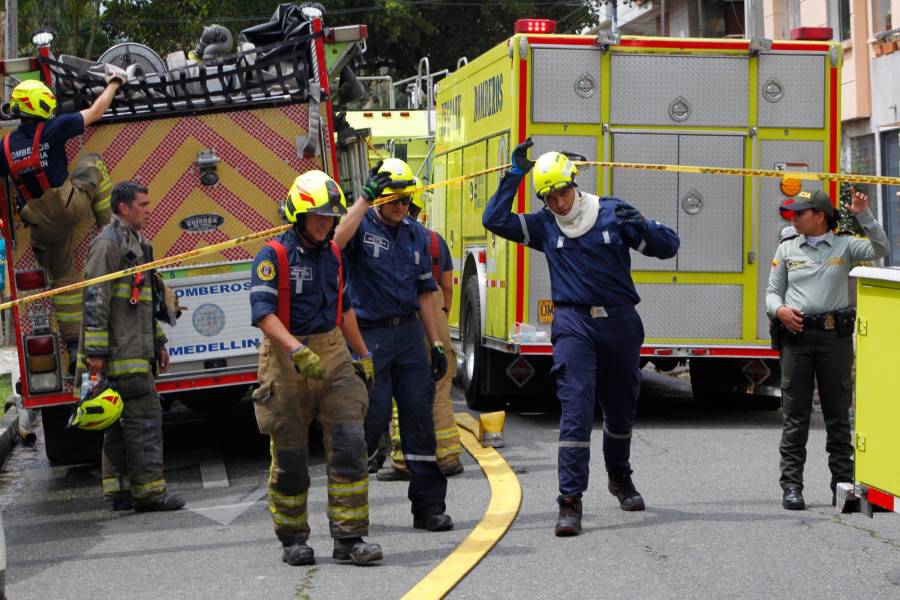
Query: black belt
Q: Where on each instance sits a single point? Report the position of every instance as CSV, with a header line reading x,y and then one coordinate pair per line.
x,y
390,322
597,312
828,321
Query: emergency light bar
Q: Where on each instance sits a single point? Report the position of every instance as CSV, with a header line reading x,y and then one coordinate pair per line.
x,y
535,26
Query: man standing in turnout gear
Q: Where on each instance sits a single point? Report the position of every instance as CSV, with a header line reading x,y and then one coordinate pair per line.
x,y
390,280
122,339
445,430
298,299
807,297
51,202
597,333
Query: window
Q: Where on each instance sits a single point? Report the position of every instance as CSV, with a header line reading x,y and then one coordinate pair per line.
x,y
881,16
862,159
790,17
844,19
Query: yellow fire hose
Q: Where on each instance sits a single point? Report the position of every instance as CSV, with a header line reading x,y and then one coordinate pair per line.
x,y
197,252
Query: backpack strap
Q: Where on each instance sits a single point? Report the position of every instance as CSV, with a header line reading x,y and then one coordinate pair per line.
x,y
34,162
435,256
284,282
340,298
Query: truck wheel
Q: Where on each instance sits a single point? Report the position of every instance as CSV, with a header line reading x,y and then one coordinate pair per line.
x,y
68,446
474,354
704,382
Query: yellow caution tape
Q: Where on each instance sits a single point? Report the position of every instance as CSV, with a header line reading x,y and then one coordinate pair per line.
x,y
506,499
733,171
740,172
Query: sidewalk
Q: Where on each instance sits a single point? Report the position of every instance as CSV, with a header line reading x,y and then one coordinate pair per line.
x,y
9,424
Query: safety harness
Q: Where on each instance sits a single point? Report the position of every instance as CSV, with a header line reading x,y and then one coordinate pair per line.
x,y
284,283
34,162
435,256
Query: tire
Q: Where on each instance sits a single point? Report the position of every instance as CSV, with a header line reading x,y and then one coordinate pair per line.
x,y
68,446
704,382
473,368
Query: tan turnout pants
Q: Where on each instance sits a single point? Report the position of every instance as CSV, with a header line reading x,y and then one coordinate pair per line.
x,y
52,219
286,404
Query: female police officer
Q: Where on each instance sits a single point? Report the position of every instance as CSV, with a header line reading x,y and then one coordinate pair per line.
x,y
298,300
807,294
597,334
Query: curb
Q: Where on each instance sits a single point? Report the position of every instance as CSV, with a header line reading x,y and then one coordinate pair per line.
x,y
9,433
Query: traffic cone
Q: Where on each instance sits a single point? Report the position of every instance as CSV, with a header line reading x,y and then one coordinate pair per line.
x,y
490,429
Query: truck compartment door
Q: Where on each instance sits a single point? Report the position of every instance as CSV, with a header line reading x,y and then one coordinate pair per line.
x,y
711,207
792,91
566,84
661,89
653,193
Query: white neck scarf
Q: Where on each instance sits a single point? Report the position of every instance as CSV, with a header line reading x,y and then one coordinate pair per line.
x,y
582,216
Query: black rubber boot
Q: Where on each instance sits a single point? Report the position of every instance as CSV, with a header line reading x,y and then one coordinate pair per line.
x,y
621,486
356,550
453,469
569,521
160,503
392,473
72,351
121,501
433,522
793,498
297,554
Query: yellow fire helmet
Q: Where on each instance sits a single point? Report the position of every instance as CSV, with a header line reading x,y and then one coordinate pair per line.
x,y
99,411
314,192
418,199
402,176
32,98
553,171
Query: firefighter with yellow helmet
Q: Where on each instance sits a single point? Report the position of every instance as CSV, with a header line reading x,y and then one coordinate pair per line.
x,y
298,299
446,432
597,333
50,201
390,286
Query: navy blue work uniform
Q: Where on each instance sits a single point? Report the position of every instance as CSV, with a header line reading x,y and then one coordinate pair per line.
x,y
54,162
314,275
597,333
389,268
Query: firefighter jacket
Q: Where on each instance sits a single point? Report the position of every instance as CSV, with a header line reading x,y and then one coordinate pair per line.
x,y
119,324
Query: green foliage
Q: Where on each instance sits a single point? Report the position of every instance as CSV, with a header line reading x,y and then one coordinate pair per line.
x,y
846,220
400,31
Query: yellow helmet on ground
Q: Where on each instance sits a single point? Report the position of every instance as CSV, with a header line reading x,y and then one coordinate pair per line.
x,y
314,192
99,411
553,171
32,98
403,179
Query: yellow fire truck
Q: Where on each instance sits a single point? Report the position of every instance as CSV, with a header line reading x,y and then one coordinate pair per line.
x,y
718,102
217,144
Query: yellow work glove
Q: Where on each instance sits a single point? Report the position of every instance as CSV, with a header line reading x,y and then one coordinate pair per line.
x,y
307,363
365,368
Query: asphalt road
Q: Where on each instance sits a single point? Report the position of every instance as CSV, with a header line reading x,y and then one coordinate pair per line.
x,y
714,526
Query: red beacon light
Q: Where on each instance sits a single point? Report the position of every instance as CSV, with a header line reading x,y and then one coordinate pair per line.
x,y
535,26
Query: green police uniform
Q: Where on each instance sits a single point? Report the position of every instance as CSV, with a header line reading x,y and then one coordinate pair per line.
x,y
813,278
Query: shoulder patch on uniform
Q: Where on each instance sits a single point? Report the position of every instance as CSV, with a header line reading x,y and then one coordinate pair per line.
x,y
774,262
265,270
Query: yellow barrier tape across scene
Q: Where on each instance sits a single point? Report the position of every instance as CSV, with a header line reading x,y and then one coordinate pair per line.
x,y
506,498
733,171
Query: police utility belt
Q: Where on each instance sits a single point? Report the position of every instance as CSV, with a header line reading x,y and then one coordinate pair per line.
x,y
842,322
